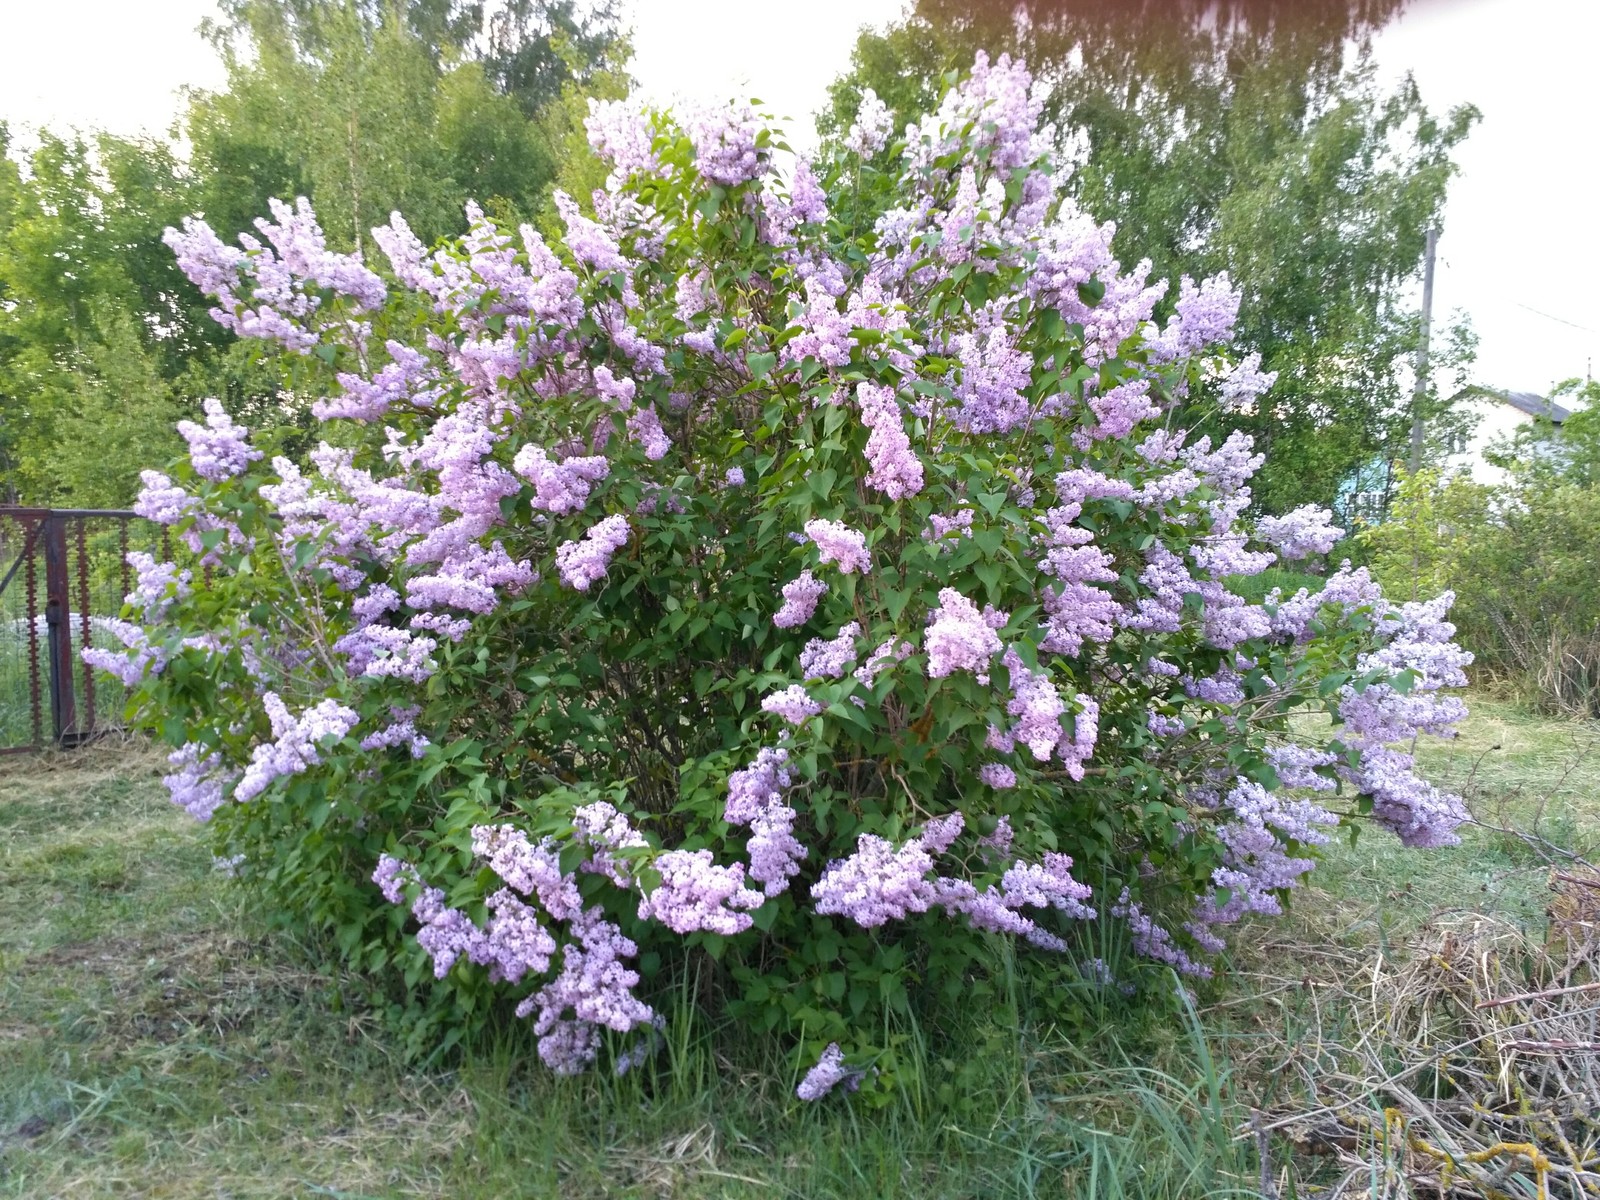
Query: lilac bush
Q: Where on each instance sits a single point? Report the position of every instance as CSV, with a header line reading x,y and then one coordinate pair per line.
x,y
795,569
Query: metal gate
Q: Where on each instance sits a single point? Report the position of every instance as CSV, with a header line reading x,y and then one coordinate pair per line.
x,y
63,572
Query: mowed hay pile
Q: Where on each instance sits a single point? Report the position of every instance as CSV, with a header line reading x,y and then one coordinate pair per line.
x,y
1467,1066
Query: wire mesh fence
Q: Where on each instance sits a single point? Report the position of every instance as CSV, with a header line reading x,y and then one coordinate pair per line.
x,y
64,574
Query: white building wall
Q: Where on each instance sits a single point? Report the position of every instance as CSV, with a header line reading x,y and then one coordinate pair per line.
x,y
1497,424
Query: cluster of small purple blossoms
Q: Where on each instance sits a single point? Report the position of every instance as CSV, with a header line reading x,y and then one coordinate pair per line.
x,y
620,133
1381,715
200,783
401,731
1045,884
593,986
838,543
1037,707
1305,531
896,469
870,131
560,487
138,659
408,379
1205,315
219,449
157,587
997,775
881,882
830,658
960,637
584,562
695,893
724,142
295,742
604,829
829,1073
588,240
824,330
947,525
1257,866
800,598
1152,941
755,798
162,501
792,704
878,883
889,651
284,275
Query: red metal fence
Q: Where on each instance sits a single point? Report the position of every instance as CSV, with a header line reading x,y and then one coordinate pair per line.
x,y
63,572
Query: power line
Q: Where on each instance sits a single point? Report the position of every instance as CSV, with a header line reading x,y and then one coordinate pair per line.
x,y
1558,320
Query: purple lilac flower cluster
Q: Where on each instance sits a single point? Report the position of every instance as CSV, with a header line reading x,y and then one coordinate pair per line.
x,y
799,600
219,449
614,367
961,638
296,742
584,562
829,1073
838,543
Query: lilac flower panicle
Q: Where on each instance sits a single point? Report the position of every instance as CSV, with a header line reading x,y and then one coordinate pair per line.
x,y
799,601
792,704
619,131
829,1073
878,883
838,543
218,448
200,782
725,144
870,131
830,658
896,470
296,744
158,586
958,638
695,893
583,563
997,775
1301,533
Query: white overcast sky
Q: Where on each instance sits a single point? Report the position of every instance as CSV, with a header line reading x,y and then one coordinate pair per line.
x,y
1520,252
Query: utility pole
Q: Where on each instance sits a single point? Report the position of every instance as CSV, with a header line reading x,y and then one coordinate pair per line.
x,y
1420,392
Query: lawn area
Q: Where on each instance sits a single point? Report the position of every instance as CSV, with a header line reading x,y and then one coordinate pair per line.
x,y
155,1040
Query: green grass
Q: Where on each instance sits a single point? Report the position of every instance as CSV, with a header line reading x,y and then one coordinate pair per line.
x,y
1254,588
1516,771
156,1041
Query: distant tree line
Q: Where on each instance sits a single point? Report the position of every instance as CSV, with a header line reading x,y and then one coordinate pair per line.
x,y
1246,136
364,106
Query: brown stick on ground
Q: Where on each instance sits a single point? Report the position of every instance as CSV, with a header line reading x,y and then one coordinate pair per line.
x,y
1562,991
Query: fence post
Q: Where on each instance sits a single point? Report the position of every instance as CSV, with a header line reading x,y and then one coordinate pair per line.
x,y
58,621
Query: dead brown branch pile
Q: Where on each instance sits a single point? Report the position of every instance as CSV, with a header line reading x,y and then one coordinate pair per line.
x,y
1464,1065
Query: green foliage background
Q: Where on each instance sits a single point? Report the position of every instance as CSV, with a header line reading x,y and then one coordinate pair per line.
x,y
1251,137
1521,556
364,107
